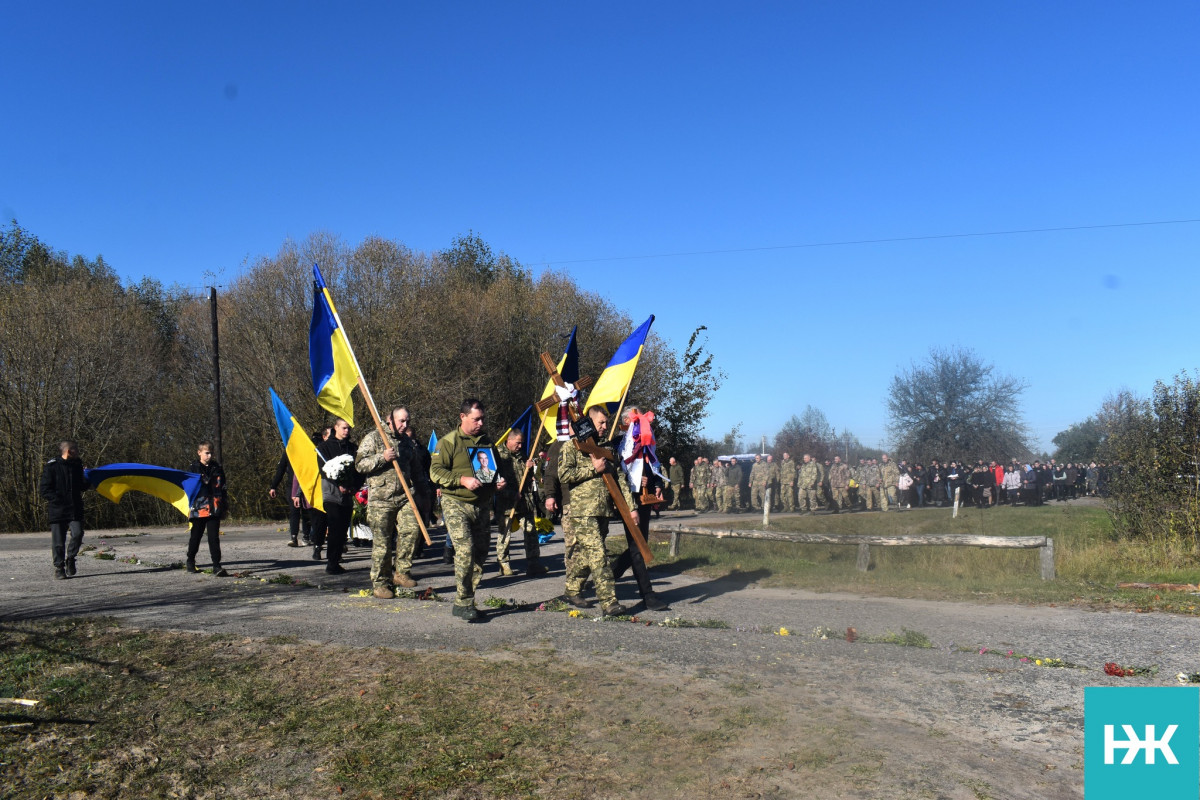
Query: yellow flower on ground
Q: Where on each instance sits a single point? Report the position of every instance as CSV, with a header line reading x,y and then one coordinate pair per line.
x,y
574,613
363,593
1038,662
784,632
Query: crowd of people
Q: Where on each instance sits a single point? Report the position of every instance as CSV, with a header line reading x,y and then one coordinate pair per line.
x,y
467,485
726,486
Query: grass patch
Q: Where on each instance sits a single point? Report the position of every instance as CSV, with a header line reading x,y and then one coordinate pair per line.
x,y
1090,560
126,713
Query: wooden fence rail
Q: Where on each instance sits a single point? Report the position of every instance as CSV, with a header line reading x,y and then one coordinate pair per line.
x,y
1043,543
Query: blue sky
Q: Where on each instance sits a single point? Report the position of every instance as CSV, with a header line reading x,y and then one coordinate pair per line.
x,y
625,143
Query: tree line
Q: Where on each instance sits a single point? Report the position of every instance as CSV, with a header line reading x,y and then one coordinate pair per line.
x,y
126,368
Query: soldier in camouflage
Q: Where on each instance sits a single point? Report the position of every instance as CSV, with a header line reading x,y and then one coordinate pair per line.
x,y
871,483
808,481
773,482
758,483
696,486
787,483
591,506
839,483
731,490
466,504
394,528
675,476
511,466
890,475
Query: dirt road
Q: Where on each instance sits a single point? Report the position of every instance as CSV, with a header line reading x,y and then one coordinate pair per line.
x,y
852,719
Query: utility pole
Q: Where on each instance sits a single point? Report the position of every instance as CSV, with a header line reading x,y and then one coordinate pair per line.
x,y
216,379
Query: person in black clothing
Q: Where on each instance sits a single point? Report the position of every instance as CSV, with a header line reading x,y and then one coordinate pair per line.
x,y
208,508
297,507
338,497
631,557
1031,485
62,488
319,522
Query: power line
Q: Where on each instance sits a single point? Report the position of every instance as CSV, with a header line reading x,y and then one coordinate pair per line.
x,y
867,241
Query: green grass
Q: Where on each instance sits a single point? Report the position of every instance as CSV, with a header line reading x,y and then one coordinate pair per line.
x,y
1090,560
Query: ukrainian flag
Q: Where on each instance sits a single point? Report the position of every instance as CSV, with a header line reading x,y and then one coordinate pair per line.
x,y
523,424
432,441
568,369
172,485
334,370
612,384
301,452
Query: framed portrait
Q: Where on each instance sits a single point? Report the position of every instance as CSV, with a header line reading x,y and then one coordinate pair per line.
x,y
483,461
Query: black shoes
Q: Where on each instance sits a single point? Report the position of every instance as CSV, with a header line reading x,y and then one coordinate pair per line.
x,y
653,602
467,613
577,601
191,566
536,569
60,574
70,568
614,609
335,569
219,571
316,554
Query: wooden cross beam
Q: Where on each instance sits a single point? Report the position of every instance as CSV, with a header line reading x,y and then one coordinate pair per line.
x,y
591,447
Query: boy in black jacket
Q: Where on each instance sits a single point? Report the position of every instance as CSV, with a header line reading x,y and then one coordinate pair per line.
x,y
62,488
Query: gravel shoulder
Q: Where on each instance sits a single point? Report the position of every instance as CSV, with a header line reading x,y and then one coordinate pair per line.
x,y
937,722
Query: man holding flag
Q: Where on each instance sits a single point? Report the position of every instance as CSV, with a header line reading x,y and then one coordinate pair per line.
x,y
393,532
511,455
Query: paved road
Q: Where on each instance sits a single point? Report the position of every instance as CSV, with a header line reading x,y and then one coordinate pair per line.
x,y
1031,715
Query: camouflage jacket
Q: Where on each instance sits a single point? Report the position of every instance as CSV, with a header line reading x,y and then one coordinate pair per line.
x,y
589,494
787,473
871,476
511,468
383,485
809,475
758,474
890,473
839,476
772,474
699,476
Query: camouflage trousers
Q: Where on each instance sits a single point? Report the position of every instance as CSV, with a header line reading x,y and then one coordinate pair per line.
x,y
731,498
504,533
808,499
704,498
589,558
841,498
568,528
469,528
870,496
889,494
394,535
787,498
756,497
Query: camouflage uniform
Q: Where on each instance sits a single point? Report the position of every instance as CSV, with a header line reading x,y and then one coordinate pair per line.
x,y
591,506
773,482
891,476
716,483
787,484
394,528
699,487
839,480
869,485
675,476
758,484
807,481
467,513
731,492
511,467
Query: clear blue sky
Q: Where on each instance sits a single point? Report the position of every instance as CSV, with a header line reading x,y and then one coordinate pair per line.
x,y
178,139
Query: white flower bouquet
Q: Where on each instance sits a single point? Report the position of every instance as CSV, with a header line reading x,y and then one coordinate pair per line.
x,y
338,470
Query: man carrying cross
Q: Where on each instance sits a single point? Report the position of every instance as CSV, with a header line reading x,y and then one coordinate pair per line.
x,y
590,509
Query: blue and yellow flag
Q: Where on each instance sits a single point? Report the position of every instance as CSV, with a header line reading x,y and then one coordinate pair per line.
x,y
568,368
301,452
334,370
524,424
612,384
172,485
432,440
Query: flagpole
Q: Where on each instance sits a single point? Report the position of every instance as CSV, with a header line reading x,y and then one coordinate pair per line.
x,y
362,384
620,407
512,512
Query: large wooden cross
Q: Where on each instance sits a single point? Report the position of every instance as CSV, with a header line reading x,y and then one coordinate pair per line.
x,y
590,446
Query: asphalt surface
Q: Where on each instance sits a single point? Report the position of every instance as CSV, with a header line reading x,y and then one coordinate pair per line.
x,y
1021,709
